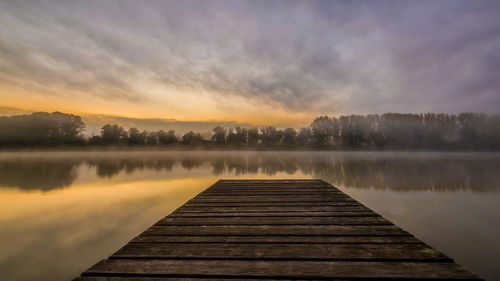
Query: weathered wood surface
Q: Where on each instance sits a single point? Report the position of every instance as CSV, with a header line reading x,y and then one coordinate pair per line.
x,y
275,230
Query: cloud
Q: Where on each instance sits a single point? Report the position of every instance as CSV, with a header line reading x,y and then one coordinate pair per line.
x,y
8,111
314,56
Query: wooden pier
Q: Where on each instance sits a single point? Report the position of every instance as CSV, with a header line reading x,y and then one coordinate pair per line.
x,y
275,230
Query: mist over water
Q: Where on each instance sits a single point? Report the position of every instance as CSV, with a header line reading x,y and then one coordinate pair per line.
x,y
396,171
60,212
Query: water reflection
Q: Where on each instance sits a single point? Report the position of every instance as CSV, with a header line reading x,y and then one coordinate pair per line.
x,y
393,171
62,212
39,174
57,234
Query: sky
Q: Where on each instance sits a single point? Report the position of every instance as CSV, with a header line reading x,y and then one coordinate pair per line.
x,y
248,62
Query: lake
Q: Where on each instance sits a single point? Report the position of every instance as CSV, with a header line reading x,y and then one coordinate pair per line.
x,y
61,212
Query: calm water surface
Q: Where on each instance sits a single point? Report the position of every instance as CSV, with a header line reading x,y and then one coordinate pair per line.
x,y
62,212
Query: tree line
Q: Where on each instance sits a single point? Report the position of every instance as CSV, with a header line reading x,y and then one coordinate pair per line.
x,y
390,131
41,128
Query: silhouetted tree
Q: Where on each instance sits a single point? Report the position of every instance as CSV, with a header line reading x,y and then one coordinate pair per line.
x,y
252,136
231,137
41,128
219,135
167,138
237,137
113,134
241,135
321,129
152,138
304,137
69,126
95,140
191,138
270,136
289,138
135,136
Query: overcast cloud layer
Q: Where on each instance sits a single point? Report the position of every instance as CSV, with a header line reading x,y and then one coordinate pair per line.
x,y
309,56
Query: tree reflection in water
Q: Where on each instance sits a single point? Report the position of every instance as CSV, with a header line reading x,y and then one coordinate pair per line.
x,y
477,172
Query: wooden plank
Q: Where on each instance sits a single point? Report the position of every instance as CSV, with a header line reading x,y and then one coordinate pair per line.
x,y
143,278
289,195
268,209
249,187
258,196
273,189
285,188
275,221
270,204
282,269
358,252
269,182
258,199
277,214
269,192
266,194
272,200
272,185
278,239
312,230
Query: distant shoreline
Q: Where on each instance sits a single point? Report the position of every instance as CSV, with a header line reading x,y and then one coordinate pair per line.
x,y
216,149
386,132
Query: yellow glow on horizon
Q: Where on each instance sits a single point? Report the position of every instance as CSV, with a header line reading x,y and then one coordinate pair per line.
x,y
97,195
102,194
159,103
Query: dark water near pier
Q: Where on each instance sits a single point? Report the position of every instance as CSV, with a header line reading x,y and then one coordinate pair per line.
x,y
62,212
